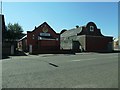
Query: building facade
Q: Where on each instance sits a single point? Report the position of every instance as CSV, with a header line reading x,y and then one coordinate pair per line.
x,y
86,38
41,40
22,44
5,45
117,43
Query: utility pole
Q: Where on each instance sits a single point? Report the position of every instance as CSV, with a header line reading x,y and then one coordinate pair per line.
x,y
1,7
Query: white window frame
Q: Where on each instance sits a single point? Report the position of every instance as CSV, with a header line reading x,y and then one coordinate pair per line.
x,y
92,28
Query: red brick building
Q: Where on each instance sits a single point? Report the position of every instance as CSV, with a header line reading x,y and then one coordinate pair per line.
x,y
87,38
42,39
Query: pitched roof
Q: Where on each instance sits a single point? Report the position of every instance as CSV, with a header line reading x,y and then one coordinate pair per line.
x,y
71,32
45,23
23,37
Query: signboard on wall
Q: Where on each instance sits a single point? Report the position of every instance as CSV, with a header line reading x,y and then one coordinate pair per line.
x,y
44,34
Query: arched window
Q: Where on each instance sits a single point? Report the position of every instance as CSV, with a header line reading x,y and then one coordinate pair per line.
x,y
92,28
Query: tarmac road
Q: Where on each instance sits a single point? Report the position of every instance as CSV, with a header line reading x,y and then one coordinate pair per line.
x,y
84,70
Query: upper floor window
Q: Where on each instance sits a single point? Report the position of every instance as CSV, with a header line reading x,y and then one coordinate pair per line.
x,y
91,28
33,36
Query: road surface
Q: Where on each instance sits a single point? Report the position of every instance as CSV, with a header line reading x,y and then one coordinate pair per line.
x,y
83,70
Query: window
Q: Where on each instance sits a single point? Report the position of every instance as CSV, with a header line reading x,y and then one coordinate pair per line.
x,y
45,34
57,39
47,38
33,36
91,28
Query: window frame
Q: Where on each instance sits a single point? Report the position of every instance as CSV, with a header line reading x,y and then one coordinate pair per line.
x,y
92,28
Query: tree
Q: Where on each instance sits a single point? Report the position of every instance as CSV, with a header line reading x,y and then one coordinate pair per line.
x,y
14,32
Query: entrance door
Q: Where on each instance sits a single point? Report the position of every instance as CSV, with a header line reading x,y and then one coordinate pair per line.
x,y
30,48
110,46
76,45
12,49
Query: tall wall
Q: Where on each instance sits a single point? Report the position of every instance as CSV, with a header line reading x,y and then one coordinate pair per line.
x,y
0,36
99,43
0,52
6,46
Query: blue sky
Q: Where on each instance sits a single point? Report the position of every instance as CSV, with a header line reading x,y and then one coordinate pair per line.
x,y
63,15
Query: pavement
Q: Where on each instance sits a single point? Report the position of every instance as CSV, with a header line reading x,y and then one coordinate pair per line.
x,y
82,70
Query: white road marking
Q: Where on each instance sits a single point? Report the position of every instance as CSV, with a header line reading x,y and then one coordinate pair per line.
x,y
86,86
77,60
111,57
83,59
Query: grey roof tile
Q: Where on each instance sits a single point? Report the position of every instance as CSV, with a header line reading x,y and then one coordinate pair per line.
x,y
71,32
